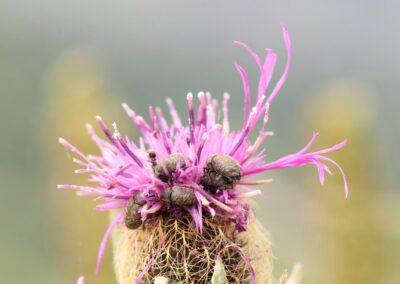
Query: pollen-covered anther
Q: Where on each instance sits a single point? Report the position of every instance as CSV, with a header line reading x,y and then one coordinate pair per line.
x,y
221,171
166,167
133,219
178,195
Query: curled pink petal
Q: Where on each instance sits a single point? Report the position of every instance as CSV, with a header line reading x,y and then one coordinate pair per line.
x,y
246,88
282,80
144,271
247,261
107,235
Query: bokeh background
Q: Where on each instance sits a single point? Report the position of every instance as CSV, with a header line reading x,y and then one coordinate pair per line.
x,y
63,62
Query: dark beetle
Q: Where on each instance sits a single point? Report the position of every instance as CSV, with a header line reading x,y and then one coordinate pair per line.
x,y
152,157
168,165
221,171
178,195
133,219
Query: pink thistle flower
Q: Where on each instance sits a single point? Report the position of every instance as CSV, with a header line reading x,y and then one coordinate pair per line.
x,y
202,169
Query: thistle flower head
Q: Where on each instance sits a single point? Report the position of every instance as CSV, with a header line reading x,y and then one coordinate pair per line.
x,y
200,168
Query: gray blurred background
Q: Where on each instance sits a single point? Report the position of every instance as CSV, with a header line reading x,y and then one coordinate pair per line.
x,y
63,62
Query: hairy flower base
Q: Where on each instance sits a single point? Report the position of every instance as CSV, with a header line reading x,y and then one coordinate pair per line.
x,y
175,250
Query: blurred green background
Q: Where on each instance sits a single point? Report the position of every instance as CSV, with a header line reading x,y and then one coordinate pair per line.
x,y
63,62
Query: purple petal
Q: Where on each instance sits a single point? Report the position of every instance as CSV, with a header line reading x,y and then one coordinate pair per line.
x,y
107,235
